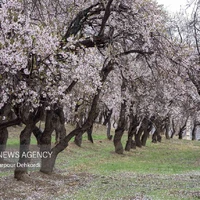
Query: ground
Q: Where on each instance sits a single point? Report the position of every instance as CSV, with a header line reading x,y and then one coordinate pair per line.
x,y
167,170
127,186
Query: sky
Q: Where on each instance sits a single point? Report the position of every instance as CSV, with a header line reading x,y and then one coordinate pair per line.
x,y
172,5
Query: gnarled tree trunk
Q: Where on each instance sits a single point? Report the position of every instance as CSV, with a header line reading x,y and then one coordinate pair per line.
x,y
146,131
156,137
89,132
109,136
173,129
25,138
122,121
138,137
46,141
38,134
194,130
167,128
142,129
6,116
180,133
58,121
79,137
3,141
30,119
47,164
130,144
107,121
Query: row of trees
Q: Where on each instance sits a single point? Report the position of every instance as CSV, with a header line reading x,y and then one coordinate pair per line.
x,y
76,61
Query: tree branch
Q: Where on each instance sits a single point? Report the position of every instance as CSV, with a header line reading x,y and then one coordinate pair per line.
x,y
105,18
70,87
136,51
10,123
77,23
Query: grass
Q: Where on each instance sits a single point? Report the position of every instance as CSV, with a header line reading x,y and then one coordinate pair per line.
x,y
169,157
166,170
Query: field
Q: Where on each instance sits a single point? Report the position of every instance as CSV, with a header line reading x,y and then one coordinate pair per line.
x,y
169,170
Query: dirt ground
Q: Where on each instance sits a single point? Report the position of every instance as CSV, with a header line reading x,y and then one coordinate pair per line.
x,y
40,186
62,185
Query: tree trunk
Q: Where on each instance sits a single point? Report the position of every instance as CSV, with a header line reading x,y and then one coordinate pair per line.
x,y
167,128
48,163
145,134
130,144
117,140
89,132
156,137
8,114
120,130
194,130
107,115
3,141
142,129
100,118
58,122
46,143
180,133
60,131
38,134
147,130
107,121
167,133
138,137
145,137
25,137
78,139
122,121
173,129
29,119
133,144
159,138
109,136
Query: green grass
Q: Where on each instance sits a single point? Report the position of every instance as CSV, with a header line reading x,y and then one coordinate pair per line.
x,y
166,170
169,157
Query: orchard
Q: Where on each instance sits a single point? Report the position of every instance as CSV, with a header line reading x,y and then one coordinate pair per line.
x,y
124,63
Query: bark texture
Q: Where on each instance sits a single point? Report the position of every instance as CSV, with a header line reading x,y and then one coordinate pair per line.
x,y
130,144
121,123
25,138
3,141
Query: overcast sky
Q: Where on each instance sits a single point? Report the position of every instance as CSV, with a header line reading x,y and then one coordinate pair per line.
x,y
172,5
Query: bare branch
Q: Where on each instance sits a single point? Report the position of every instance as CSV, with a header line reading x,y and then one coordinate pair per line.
x,y
105,18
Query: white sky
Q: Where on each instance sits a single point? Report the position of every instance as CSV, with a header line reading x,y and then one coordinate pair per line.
x,y
173,5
